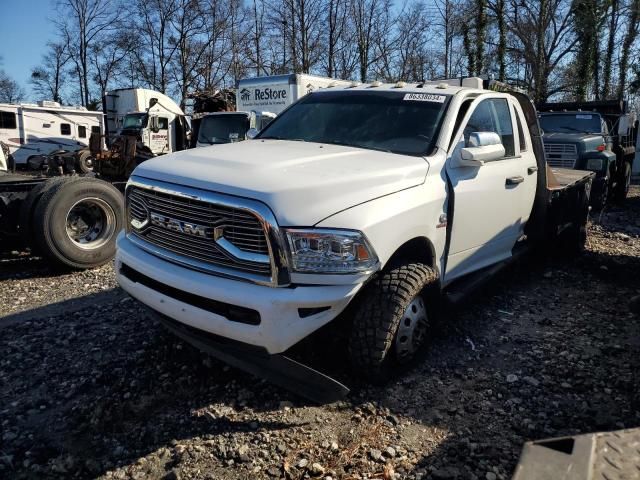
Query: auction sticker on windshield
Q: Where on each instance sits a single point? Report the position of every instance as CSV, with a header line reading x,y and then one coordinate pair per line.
x,y
425,97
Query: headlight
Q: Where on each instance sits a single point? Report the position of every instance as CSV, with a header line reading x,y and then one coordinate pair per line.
x,y
330,251
594,164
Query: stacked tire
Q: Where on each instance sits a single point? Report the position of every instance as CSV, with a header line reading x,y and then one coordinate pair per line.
x,y
73,221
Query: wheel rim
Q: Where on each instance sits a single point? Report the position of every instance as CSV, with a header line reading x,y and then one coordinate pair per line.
x,y
412,330
91,222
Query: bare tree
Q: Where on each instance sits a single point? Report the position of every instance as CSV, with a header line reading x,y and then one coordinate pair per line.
x,y
544,33
10,90
154,53
83,23
48,79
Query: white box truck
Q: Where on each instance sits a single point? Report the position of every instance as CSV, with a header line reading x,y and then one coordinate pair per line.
x,y
277,92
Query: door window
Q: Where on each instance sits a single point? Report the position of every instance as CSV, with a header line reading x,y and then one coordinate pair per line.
x,y
163,123
523,142
492,115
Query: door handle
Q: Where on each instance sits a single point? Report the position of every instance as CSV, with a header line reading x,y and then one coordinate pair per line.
x,y
532,170
514,180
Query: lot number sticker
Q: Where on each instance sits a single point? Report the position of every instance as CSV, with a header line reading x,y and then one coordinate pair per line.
x,y
425,97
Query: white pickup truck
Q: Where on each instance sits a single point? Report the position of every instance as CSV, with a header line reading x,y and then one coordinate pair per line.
x,y
380,197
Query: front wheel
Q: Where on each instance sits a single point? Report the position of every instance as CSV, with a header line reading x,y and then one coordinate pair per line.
x,y
391,323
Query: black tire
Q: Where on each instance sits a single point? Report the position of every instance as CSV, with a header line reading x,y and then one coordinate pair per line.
x,y
573,241
11,163
84,162
600,201
76,223
374,339
29,204
624,181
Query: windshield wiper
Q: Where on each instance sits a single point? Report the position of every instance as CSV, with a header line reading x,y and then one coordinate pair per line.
x,y
282,138
366,147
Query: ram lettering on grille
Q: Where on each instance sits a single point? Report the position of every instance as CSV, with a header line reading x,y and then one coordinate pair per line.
x,y
182,227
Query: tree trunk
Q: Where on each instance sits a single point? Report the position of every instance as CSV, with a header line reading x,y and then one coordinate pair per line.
x,y
630,37
608,59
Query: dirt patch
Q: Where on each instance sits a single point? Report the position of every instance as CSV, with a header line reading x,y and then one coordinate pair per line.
x,y
90,388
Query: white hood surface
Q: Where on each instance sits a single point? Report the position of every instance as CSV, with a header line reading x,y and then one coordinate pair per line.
x,y
302,183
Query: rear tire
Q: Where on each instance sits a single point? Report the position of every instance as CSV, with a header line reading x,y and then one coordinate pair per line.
x,y
84,162
391,323
622,187
29,204
76,223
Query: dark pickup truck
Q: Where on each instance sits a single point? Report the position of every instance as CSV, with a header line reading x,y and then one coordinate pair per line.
x,y
599,136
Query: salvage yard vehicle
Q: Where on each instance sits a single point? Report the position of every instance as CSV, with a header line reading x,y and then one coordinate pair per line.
x,y
32,131
599,136
73,220
384,198
229,127
277,92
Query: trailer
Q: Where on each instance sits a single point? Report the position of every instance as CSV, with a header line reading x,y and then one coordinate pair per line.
x,y
32,131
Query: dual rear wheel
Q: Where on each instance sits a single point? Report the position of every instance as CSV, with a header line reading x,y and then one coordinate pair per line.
x,y
73,221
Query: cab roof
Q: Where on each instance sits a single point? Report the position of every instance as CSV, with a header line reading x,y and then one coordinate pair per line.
x,y
436,87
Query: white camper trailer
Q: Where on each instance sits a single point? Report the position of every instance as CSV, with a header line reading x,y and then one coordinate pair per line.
x,y
277,92
31,130
155,118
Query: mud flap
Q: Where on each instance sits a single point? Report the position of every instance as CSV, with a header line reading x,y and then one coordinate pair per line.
x,y
278,369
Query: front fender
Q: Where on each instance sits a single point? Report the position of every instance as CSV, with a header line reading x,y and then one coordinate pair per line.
x,y
608,158
391,221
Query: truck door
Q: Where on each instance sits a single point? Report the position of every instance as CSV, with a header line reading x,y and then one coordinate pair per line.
x,y
491,202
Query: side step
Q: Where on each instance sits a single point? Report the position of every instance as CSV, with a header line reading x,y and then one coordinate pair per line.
x,y
278,369
460,289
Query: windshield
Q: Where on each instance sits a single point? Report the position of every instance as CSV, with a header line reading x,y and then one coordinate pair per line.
x,y
571,123
223,128
397,122
134,121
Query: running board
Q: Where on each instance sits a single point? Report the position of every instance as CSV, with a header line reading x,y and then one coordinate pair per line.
x,y
278,369
462,288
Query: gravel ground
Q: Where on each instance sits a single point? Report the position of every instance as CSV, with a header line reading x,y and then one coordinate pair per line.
x,y
92,389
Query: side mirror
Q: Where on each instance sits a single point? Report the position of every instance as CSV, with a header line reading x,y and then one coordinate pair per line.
x,y
623,125
153,124
482,147
251,133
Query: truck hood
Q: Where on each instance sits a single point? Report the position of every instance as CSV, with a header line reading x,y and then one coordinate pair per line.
x,y
301,182
571,137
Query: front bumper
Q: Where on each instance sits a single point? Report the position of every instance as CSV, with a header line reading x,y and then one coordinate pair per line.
x,y
280,322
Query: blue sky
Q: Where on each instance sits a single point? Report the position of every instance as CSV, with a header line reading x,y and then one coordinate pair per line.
x,y
26,29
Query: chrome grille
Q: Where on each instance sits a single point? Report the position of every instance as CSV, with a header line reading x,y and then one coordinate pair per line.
x,y
217,235
561,155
